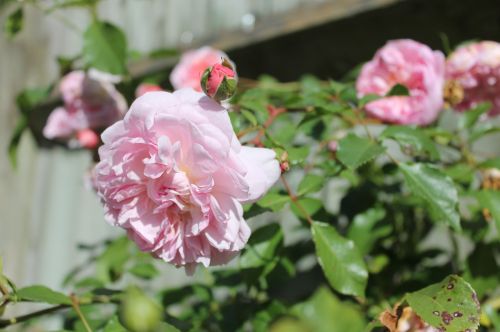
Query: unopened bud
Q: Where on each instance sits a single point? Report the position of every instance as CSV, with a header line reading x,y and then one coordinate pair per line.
x,y
87,138
284,164
219,81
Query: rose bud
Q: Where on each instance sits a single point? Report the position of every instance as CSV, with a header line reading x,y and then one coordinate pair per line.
x,y
219,81
87,138
145,88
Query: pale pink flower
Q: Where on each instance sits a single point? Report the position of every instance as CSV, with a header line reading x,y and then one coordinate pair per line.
x,y
89,103
413,65
187,73
145,88
174,175
476,68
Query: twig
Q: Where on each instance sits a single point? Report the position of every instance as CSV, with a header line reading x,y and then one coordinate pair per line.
x,y
76,305
15,320
295,201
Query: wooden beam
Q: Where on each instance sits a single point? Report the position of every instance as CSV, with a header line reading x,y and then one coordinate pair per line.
x,y
267,28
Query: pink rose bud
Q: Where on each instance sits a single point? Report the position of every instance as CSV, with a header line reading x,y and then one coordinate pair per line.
x,y
219,81
145,88
475,68
409,63
333,146
87,138
187,73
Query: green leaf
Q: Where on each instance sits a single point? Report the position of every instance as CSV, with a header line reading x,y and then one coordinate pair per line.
x,y
310,205
353,151
324,312
436,189
340,260
105,48
249,116
469,118
310,183
362,229
274,201
110,264
144,270
165,327
491,200
262,247
14,22
297,155
39,293
114,326
398,90
451,304
21,126
412,137
490,163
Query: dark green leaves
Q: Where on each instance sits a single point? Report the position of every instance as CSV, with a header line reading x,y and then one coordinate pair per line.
x,y
340,260
436,189
451,304
407,136
42,294
14,22
262,247
354,151
105,48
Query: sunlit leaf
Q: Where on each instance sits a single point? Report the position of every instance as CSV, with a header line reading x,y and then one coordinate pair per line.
x,y
353,151
39,293
340,260
105,48
450,305
436,189
412,137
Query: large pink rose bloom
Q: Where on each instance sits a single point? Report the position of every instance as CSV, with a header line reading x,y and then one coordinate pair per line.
x,y
187,73
174,175
476,67
89,104
413,65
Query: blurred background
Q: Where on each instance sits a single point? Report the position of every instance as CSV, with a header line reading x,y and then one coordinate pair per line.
x,y
46,209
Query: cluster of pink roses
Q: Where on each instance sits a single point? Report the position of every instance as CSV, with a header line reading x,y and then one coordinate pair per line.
x,y
172,171
475,68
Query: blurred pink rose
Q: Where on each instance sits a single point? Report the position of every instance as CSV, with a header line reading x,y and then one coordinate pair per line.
x,y
88,104
145,88
413,65
174,175
476,68
87,138
187,73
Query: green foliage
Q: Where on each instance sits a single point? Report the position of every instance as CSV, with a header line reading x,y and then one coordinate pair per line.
x,y
354,151
451,305
42,294
105,48
324,312
355,218
340,260
436,189
14,22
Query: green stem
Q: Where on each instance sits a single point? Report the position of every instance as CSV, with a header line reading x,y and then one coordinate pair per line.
x,y
15,320
295,201
76,306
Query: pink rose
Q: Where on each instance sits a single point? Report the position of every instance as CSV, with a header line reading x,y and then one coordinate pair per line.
x,y
87,138
413,65
88,104
187,73
145,88
476,68
219,81
174,175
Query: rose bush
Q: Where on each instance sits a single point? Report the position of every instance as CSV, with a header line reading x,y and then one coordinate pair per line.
x,y
385,217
